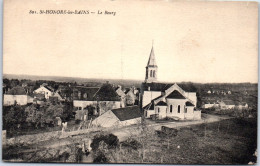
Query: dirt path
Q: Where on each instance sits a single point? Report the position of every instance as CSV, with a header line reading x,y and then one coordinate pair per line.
x,y
121,133
124,133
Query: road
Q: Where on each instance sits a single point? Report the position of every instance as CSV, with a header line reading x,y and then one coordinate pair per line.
x,y
126,132
121,133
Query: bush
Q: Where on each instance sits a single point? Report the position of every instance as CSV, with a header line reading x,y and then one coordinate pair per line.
x,y
100,158
77,121
132,143
111,140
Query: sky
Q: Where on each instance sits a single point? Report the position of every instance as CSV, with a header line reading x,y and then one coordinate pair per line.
x,y
193,41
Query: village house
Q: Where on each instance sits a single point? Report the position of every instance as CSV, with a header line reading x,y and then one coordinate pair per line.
x,y
103,98
119,117
122,95
166,100
227,104
130,97
65,92
17,95
210,104
46,90
242,106
38,98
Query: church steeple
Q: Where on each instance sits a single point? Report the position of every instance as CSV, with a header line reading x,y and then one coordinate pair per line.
x,y
151,69
151,61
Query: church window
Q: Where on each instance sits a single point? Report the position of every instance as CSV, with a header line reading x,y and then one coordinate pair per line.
x,y
154,73
185,110
170,108
151,73
146,73
158,110
179,109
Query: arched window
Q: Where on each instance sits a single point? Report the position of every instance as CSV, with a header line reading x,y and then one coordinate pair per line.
x,y
151,73
158,110
154,73
170,108
146,73
179,109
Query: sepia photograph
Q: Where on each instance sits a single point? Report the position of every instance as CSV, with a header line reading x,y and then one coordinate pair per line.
x,y
130,82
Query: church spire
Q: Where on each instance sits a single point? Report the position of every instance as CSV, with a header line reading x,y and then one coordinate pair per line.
x,y
151,68
151,61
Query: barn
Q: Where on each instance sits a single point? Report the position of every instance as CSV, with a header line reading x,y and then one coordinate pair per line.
x,y
119,117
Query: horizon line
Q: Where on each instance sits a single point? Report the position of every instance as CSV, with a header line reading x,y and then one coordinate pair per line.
x,y
124,79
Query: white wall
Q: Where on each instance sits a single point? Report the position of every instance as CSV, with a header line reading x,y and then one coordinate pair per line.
x,y
162,112
83,104
130,122
190,113
148,113
148,96
44,91
108,119
10,99
175,103
192,96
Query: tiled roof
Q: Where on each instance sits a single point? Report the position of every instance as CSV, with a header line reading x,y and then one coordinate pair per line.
x,y
175,95
18,90
107,93
127,113
84,93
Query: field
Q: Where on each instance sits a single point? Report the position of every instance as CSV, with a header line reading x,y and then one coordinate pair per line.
x,y
231,141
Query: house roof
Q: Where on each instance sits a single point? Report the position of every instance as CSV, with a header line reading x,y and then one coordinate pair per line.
x,y
84,93
18,90
175,95
106,93
189,104
161,103
38,96
127,113
151,61
188,87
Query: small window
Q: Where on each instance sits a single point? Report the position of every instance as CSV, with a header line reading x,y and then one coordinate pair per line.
x,y
185,110
179,109
170,108
154,73
151,73
158,110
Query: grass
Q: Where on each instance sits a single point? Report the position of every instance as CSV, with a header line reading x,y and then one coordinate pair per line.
x,y
231,141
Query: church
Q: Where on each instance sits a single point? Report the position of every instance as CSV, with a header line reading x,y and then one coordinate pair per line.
x,y
167,100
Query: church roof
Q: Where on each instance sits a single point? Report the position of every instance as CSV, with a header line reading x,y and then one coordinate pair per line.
x,y
175,95
161,103
189,104
149,106
187,87
151,61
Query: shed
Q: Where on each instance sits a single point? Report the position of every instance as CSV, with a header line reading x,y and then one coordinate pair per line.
x,y
119,117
